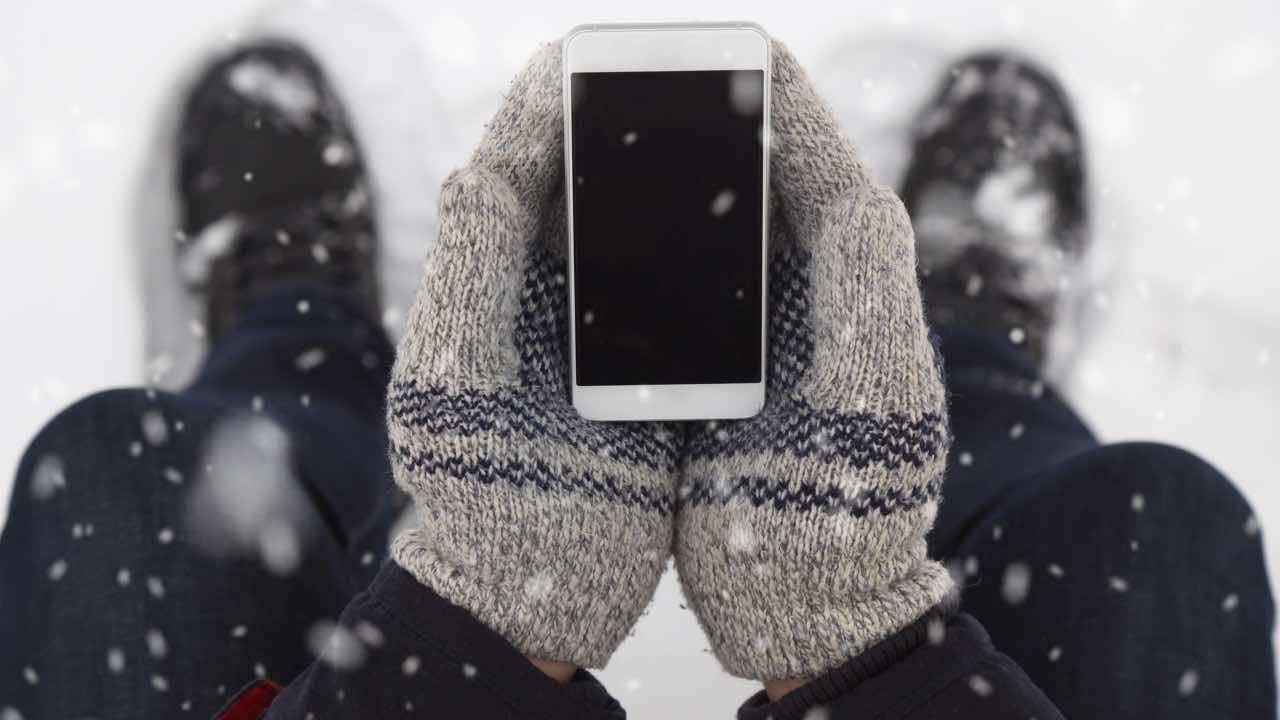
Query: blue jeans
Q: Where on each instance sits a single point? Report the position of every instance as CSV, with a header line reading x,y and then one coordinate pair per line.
x,y
1127,580
110,592
1120,577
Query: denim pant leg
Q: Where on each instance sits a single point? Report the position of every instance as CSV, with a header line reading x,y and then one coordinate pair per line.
x,y
1128,580
164,549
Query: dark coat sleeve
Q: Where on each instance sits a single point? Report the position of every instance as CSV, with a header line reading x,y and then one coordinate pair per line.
x,y
421,657
956,674
424,657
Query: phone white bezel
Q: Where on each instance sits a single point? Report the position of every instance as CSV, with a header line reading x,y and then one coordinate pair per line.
x,y
656,48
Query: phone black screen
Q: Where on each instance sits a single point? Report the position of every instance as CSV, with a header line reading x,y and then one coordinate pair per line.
x,y
667,196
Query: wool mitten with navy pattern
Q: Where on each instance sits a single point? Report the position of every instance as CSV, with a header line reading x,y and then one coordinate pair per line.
x,y
800,536
550,529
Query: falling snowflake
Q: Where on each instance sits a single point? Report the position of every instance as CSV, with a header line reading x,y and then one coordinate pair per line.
x,y
57,569
966,458
336,645
159,683
410,665
369,634
1016,584
746,93
165,536
115,660
48,477
742,537
310,359
338,152
239,631
355,202
156,644
154,427
1188,682
1118,584
30,675
173,475
392,317
539,586
123,577
135,448
279,547
980,685
1251,526
723,202
630,138
155,586
1017,430
468,670
936,630
973,286
1056,570
722,486
1055,654
1137,502
304,307
251,508
1230,602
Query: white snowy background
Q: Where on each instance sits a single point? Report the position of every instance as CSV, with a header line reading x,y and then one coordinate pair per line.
x,y
1180,101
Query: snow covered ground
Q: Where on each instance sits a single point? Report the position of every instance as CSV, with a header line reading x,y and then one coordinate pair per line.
x,y
1178,98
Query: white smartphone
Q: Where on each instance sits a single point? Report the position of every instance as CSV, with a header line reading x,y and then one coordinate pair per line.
x,y
667,176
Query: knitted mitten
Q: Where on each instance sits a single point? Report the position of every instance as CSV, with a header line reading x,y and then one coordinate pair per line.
x,y
800,537
550,529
